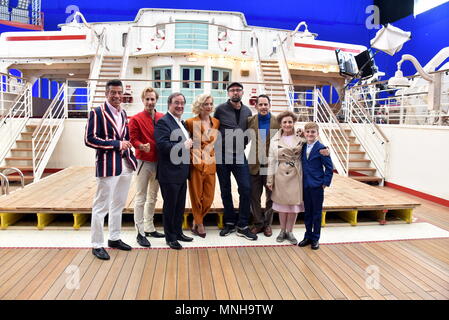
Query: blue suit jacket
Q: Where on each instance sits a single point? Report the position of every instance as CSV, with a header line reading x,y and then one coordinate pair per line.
x,y
314,175
173,158
102,134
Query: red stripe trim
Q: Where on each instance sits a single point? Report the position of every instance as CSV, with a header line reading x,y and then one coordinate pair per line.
x,y
21,25
240,246
317,46
419,194
46,38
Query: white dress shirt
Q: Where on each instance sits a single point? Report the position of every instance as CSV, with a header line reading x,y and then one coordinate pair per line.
x,y
181,126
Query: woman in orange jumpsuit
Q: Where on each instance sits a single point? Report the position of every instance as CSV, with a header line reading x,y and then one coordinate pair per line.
x,y
203,130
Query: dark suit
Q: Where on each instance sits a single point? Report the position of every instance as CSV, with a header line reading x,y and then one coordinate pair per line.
x,y
172,173
314,178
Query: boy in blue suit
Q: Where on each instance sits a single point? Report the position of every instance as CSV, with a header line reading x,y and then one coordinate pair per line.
x,y
317,175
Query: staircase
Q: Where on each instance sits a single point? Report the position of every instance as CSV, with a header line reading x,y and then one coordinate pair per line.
x,y
21,155
347,143
360,167
110,68
272,78
31,149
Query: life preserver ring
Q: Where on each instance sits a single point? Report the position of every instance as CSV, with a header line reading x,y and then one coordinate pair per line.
x,y
158,39
224,42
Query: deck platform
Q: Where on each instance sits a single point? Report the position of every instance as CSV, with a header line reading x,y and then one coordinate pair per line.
x,y
71,191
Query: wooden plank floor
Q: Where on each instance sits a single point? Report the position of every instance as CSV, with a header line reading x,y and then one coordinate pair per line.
x,y
417,269
411,270
73,189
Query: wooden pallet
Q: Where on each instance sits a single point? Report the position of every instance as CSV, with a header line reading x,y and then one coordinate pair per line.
x,y
71,191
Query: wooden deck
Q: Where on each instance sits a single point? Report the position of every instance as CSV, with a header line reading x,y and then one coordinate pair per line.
x,y
72,190
411,270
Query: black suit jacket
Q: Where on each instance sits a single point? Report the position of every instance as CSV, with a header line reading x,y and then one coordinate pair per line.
x,y
173,158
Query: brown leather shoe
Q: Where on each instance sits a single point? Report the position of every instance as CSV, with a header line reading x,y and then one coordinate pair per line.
x,y
267,232
256,230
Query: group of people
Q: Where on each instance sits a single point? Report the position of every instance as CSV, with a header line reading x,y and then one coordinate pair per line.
x,y
290,164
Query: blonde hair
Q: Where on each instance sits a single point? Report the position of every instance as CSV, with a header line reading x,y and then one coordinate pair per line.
x,y
311,125
199,101
148,90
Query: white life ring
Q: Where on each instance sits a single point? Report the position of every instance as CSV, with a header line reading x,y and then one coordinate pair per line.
x,y
224,42
158,39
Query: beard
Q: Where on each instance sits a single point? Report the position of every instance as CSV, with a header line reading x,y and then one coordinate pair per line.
x,y
236,99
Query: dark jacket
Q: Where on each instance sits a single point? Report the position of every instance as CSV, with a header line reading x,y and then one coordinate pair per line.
x,y
102,134
314,175
173,158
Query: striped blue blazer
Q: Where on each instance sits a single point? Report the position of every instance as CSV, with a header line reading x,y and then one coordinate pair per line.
x,y
102,134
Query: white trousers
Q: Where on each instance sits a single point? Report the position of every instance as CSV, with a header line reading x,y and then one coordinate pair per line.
x,y
111,196
147,188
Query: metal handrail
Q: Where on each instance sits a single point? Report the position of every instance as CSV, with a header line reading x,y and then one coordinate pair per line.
x,y
10,170
259,72
369,135
20,110
4,183
125,57
43,136
337,138
289,89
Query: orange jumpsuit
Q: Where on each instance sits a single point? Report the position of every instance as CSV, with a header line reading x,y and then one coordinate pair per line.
x,y
202,167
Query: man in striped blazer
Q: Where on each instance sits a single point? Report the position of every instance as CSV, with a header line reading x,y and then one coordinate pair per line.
x,y
107,132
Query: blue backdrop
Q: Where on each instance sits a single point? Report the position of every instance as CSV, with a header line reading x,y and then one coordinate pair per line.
x,y
342,20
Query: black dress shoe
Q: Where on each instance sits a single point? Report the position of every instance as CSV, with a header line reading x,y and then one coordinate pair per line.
x,y
100,253
315,245
118,244
183,237
304,242
174,245
155,234
142,241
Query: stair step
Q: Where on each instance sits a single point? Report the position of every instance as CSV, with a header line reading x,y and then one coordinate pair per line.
x,y
21,149
15,178
21,168
353,152
268,62
19,158
29,141
360,160
362,169
366,178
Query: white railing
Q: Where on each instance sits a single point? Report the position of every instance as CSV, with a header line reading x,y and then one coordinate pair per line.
x,y
408,106
259,72
286,76
332,134
12,124
10,88
96,66
125,57
369,134
47,133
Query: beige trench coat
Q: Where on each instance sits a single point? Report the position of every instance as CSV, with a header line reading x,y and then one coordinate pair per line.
x,y
285,170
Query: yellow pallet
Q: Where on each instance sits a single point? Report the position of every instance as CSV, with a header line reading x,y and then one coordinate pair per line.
x,y
7,219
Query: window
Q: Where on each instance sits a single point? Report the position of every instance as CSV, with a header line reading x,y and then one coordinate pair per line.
x,y
164,88
223,77
191,35
192,88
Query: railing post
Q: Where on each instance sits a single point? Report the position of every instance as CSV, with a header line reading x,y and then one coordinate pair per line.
x,y
315,105
65,103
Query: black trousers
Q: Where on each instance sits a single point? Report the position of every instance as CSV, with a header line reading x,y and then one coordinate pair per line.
x,y
174,196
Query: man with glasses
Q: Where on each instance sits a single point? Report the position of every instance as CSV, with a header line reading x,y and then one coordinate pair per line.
x,y
233,116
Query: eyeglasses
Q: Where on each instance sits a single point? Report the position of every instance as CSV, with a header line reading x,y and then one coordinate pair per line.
x,y
235,90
